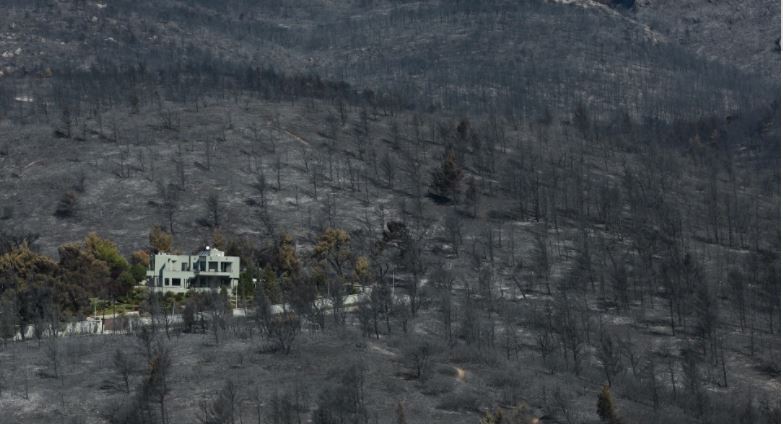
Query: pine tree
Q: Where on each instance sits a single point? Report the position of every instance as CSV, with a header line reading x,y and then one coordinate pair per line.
x,y
270,285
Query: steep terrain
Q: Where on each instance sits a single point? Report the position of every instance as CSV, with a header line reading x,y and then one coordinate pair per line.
x,y
499,55
561,194
744,34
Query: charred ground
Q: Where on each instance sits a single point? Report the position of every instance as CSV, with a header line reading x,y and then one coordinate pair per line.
x,y
581,210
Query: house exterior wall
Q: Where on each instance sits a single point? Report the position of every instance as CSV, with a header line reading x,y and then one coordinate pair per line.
x,y
207,270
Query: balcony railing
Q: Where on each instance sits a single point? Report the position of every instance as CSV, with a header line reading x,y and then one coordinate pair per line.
x,y
212,272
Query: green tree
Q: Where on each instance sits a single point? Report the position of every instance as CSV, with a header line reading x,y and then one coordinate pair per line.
x,y
78,266
271,286
126,281
100,261
245,286
106,250
21,265
121,281
138,272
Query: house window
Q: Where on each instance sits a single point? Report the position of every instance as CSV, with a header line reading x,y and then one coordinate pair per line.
x,y
176,282
213,266
225,267
166,282
184,266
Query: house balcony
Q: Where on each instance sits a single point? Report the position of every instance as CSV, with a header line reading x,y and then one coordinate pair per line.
x,y
213,273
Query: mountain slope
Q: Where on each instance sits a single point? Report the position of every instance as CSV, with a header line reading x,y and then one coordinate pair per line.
x,y
745,34
501,56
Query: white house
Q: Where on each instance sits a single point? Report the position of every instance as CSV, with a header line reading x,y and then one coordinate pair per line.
x,y
179,273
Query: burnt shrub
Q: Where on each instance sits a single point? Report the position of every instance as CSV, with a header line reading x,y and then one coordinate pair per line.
x,y
66,207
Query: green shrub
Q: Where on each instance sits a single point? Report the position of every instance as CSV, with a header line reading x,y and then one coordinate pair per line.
x,y
139,272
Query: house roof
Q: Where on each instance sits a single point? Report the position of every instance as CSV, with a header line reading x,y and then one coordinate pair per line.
x,y
211,252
